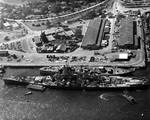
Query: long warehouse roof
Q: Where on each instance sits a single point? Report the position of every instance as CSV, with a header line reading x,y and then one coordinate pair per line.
x,y
126,32
92,32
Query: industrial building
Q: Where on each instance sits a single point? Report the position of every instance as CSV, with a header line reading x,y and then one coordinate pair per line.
x,y
128,34
94,34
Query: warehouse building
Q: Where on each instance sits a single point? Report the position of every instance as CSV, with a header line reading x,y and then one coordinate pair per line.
x,y
94,34
128,34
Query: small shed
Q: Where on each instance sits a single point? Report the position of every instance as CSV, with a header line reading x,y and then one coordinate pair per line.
x,y
123,56
50,38
69,33
7,26
15,26
120,56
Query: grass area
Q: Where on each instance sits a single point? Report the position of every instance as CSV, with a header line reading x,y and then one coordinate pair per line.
x,y
42,25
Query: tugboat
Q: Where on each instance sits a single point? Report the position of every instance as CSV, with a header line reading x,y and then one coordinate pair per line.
x,y
112,71
129,98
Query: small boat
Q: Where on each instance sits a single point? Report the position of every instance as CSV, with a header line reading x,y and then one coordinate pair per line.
x,y
36,87
28,93
130,99
112,71
78,82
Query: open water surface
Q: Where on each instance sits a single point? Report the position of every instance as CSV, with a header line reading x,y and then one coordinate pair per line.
x,y
71,105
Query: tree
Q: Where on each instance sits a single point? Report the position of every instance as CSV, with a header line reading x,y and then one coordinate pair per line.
x,y
120,16
67,1
1,25
90,15
1,22
56,9
89,1
27,11
78,33
44,10
67,8
75,5
48,23
100,11
103,16
6,38
51,0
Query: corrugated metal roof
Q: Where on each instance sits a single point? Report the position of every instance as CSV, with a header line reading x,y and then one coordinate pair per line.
x,y
92,32
50,38
6,24
101,33
126,32
15,25
69,33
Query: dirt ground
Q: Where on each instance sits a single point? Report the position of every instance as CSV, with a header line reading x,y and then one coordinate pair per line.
x,y
12,35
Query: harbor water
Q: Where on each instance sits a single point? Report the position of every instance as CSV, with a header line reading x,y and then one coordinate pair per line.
x,y
69,104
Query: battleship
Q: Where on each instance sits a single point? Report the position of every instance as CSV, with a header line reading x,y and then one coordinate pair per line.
x,y
79,82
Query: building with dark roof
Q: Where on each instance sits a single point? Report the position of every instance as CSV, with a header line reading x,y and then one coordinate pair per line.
x,y
89,41
43,37
93,35
101,33
128,34
136,41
